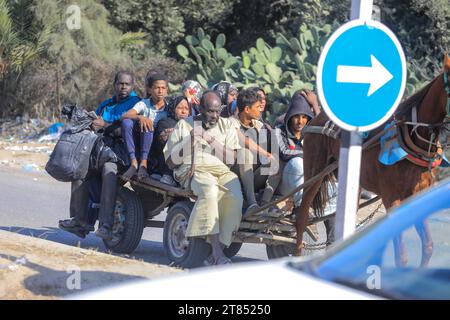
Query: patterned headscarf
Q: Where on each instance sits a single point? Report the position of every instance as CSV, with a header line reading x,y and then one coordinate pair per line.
x,y
224,88
173,103
192,91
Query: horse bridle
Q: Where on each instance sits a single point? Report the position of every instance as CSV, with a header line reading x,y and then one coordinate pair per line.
x,y
436,127
447,89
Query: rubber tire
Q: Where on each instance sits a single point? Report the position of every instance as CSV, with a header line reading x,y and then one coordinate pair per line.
x,y
134,223
198,249
233,249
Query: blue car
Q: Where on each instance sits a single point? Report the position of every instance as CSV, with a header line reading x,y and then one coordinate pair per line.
x,y
362,267
367,261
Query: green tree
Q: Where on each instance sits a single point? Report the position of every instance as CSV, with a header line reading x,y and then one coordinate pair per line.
x,y
167,21
423,28
161,19
58,63
22,37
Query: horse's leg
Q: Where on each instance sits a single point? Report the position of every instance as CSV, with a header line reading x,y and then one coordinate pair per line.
x,y
329,228
302,213
423,230
401,256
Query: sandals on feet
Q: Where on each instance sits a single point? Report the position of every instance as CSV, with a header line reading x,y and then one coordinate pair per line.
x,y
72,226
211,261
142,173
127,175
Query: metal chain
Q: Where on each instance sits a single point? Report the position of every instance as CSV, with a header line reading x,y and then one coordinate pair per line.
x,y
323,245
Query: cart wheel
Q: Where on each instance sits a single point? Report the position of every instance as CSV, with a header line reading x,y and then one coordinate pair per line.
x,y
184,252
285,250
233,249
128,222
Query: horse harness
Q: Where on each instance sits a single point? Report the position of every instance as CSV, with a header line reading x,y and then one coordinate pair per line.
x,y
330,129
416,154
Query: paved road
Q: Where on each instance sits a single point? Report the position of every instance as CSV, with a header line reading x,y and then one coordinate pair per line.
x,y
32,204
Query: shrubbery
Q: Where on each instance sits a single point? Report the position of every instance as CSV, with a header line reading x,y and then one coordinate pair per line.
x,y
273,44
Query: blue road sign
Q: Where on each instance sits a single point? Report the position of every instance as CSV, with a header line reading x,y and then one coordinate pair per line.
x,y
361,75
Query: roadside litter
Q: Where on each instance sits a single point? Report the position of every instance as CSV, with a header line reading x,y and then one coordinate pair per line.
x,y
31,167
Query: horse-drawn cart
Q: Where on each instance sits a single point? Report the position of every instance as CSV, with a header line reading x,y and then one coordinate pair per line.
x,y
138,205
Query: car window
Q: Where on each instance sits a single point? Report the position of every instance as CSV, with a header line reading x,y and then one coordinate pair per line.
x,y
439,229
378,270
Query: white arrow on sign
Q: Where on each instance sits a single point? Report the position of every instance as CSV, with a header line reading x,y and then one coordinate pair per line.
x,y
376,75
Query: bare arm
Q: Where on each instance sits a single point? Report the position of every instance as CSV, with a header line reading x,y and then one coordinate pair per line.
x,y
130,114
99,123
252,145
145,123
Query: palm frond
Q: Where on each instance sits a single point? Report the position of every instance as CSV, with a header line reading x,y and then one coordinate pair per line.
x,y
132,39
7,35
23,18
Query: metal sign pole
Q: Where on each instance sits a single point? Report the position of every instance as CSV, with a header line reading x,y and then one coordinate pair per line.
x,y
350,156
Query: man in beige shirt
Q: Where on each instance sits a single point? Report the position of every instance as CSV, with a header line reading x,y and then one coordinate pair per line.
x,y
200,151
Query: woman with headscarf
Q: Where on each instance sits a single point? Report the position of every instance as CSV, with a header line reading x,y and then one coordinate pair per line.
x,y
228,94
177,108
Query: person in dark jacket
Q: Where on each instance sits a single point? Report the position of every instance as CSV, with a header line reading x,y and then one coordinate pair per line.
x,y
310,97
177,108
289,138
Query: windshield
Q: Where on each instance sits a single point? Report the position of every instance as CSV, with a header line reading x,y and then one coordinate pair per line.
x,y
371,262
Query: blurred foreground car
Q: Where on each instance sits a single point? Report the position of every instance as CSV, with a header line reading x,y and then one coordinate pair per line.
x,y
362,267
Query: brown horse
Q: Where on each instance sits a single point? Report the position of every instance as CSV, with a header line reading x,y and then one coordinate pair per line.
x,y
392,183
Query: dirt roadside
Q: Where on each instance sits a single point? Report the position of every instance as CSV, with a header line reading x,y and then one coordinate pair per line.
x,y
33,268
30,156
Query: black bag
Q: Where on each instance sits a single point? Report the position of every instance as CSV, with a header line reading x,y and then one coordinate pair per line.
x,y
69,160
102,153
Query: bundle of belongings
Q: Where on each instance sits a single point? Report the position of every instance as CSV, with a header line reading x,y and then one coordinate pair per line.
x,y
79,149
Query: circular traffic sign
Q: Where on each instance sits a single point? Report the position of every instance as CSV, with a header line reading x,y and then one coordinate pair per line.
x,y
361,75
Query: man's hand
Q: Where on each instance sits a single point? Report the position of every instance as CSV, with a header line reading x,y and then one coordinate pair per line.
x,y
146,124
312,100
272,161
98,124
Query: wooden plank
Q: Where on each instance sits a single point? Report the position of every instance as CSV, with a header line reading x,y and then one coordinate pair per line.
x,y
159,187
251,237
